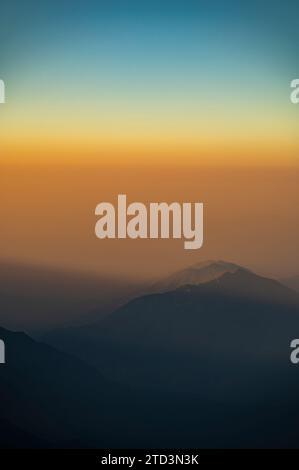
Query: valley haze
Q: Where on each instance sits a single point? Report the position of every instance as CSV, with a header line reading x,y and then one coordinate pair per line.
x,y
186,362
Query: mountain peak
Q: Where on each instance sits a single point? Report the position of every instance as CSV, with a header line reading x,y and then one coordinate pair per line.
x,y
220,265
199,273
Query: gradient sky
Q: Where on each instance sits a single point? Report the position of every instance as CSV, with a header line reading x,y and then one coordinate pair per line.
x,y
161,100
150,80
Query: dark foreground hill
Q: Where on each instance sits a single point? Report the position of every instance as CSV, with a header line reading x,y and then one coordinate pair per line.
x,y
50,399
202,366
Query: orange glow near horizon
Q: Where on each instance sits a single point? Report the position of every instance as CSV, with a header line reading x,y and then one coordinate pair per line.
x,y
47,215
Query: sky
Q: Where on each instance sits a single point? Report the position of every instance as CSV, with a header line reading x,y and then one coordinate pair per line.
x,y
173,100
142,81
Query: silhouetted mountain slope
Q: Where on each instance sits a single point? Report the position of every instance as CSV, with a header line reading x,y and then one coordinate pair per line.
x,y
223,332
206,365
51,399
57,402
291,282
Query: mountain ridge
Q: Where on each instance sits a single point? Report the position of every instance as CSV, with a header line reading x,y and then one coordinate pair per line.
x,y
198,273
240,316
197,361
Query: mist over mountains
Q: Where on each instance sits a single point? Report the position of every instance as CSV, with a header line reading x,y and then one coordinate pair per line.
x,y
198,273
203,362
238,318
34,298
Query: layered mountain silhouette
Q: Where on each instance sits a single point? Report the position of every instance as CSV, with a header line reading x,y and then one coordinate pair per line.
x,y
50,399
53,400
224,331
206,364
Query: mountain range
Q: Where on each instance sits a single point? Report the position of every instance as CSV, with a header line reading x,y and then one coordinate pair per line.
x,y
50,399
238,318
204,364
